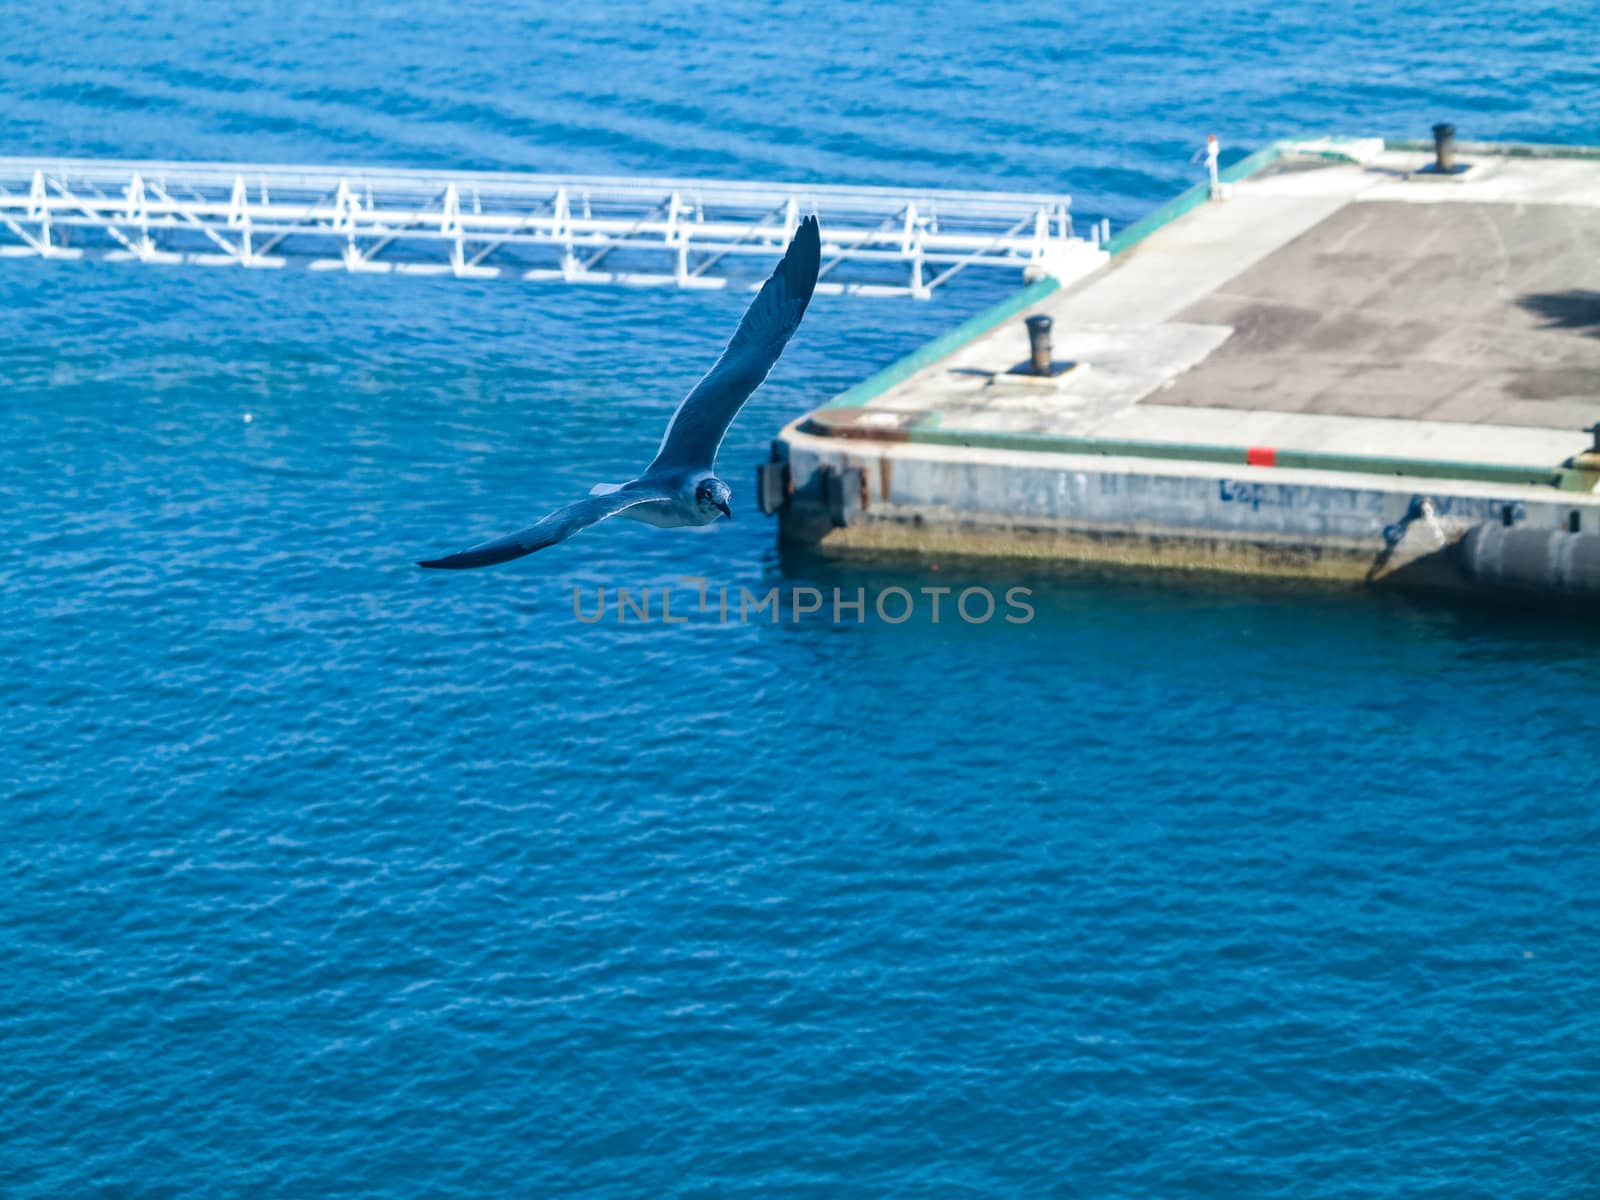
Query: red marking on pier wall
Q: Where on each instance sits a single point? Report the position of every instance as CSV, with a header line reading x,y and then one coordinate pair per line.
x,y
1261,456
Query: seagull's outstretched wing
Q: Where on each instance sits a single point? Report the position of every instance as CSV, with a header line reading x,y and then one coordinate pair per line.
x,y
557,527
697,427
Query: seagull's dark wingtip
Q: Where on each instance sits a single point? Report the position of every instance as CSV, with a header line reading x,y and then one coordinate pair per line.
x,y
803,260
809,236
467,559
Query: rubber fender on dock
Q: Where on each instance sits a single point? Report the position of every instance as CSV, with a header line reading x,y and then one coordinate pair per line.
x,y
1551,561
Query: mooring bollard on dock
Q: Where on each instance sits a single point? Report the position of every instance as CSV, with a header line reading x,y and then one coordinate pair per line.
x,y
1444,148
1039,350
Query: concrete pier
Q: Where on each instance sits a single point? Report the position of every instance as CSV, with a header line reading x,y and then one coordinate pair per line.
x,y
1337,366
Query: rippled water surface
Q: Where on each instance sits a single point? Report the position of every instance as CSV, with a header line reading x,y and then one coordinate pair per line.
x,y
324,876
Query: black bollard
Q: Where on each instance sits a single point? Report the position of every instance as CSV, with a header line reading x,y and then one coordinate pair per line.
x,y
1039,343
1444,148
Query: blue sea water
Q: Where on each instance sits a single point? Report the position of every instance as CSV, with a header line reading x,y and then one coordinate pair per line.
x,y
324,876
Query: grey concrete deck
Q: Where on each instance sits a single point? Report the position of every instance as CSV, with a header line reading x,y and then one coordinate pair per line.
x,y
1325,306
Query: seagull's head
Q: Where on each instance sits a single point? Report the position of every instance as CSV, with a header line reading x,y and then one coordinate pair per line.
x,y
711,497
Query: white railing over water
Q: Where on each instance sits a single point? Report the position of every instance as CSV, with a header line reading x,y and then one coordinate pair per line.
x,y
668,232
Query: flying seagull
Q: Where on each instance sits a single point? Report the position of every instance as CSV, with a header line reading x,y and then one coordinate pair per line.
x,y
681,487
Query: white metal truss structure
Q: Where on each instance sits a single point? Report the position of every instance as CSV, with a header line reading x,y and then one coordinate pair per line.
x,y
876,241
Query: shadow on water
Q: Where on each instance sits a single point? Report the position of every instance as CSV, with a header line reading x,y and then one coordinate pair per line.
x,y
1577,309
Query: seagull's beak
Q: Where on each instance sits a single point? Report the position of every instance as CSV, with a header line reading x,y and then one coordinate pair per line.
x,y
726,511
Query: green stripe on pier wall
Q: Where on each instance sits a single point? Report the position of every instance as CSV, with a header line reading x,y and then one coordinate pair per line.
x,y
1307,460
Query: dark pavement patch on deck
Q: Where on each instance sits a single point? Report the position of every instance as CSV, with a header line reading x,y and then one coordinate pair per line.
x,y
1460,311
